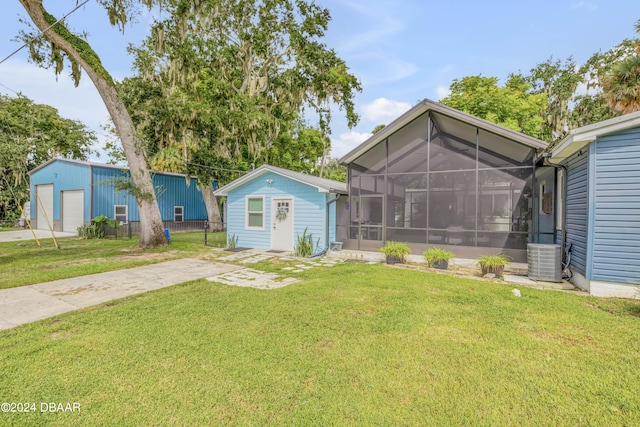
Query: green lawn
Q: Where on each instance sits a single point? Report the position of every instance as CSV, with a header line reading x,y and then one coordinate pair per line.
x,y
350,345
24,263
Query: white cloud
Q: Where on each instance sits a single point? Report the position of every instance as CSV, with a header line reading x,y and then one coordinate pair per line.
x,y
442,92
346,142
383,110
584,4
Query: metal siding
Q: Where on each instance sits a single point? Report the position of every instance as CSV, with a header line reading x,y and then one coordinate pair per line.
x,y
63,176
170,191
308,210
616,227
105,197
577,206
177,191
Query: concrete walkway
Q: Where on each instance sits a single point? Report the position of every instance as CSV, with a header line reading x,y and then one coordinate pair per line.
x,y
17,235
27,304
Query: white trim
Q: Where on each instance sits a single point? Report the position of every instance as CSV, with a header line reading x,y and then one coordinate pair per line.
x,y
181,214
126,212
246,211
582,136
323,186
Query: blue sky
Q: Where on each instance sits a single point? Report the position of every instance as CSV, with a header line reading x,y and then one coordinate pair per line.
x,y
402,51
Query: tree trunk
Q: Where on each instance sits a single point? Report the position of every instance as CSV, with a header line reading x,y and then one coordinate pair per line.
x,y
151,227
213,208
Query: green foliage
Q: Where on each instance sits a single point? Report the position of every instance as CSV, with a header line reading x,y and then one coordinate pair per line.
x,y
435,254
232,241
492,263
31,134
304,244
95,230
396,250
335,171
377,129
512,106
220,84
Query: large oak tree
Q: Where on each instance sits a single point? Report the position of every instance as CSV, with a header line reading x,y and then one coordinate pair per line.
x,y
65,45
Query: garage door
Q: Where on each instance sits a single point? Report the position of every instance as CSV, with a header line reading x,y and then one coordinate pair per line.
x,y
44,203
72,210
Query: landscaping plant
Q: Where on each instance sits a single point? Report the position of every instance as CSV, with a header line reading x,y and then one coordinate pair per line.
x,y
395,251
438,257
493,264
305,246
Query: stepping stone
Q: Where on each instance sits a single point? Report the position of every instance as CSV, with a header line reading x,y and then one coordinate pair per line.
x,y
288,268
255,259
297,271
253,279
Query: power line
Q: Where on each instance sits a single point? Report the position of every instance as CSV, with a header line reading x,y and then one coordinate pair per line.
x,y
45,30
8,88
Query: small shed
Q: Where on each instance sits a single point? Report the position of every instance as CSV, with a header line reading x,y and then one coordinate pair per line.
x,y
271,207
69,193
601,199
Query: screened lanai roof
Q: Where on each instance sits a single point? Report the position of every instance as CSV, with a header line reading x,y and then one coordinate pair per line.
x,y
454,128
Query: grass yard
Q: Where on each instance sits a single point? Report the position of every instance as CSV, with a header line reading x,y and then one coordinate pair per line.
x,y
350,345
24,263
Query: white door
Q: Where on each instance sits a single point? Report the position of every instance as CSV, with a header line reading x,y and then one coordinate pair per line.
x,y
282,224
72,210
44,206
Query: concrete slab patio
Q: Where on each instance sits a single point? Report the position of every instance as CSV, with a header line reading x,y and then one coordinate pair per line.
x,y
27,304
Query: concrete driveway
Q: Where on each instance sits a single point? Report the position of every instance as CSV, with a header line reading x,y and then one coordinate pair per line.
x,y
14,236
27,304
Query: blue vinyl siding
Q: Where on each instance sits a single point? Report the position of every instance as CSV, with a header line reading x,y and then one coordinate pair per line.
x,y
616,223
64,176
577,208
309,206
171,191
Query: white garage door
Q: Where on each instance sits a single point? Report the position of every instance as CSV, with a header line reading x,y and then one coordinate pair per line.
x,y
44,203
72,210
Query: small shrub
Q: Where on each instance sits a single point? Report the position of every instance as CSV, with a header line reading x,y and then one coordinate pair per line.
x,y
395,251
95,230
232,241
305,246
493,264
437,255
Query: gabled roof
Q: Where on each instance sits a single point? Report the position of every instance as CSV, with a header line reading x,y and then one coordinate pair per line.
x,y
99,165
428,105
580,137
322,184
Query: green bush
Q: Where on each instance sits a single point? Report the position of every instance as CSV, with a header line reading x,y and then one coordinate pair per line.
x,y
305,246
493,263
232,241
396,250
435,255
95,230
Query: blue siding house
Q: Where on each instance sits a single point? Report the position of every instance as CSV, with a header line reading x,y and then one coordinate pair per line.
x,y
603,205
270,207
66,194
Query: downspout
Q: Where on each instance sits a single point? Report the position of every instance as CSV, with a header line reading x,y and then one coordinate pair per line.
x,y
546,162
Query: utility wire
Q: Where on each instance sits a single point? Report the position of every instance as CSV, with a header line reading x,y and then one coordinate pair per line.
x,y
45,30
8,88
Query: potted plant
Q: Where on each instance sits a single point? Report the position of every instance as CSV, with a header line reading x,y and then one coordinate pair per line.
x,y
493,264
438,258
395,252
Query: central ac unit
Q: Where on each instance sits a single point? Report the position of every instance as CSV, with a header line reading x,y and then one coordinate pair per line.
x,y
545,262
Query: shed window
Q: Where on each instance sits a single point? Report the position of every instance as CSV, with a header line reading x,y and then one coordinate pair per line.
x,y
178,213
121,214
255,212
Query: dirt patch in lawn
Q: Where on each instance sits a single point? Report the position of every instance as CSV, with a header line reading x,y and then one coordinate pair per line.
x,y
146,256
